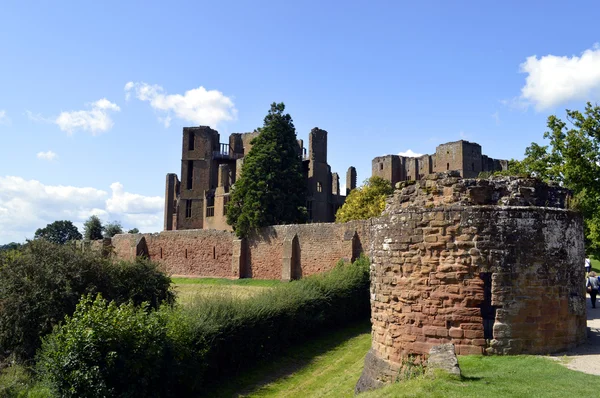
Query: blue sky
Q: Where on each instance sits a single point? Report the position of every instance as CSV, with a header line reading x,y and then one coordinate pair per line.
x,y
380,77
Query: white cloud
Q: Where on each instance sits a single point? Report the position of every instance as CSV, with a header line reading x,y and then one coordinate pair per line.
x,y
553,80
198,106
122,202
47,155
95,120
4,119
410,154
26,205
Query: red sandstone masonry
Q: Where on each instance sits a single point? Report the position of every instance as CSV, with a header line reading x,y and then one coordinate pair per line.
x,y
208,253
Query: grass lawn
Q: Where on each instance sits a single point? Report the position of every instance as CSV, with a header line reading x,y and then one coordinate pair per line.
x,y
188,289
328,366
498,376
331,365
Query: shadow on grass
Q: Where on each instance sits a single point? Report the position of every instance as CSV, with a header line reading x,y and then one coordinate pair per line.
x,y
285,364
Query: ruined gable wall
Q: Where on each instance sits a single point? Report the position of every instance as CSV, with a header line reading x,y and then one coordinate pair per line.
x,y
488,265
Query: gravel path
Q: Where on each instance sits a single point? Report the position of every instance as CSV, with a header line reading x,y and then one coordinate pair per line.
x,y
586,357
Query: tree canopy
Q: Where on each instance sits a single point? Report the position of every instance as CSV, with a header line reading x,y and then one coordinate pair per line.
x,y
93,228
572,159
366,201
112,228
58,232
271,189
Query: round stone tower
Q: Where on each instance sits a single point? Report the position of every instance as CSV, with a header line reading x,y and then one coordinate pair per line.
x,y
492,266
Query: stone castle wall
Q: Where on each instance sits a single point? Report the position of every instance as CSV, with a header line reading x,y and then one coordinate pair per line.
x,y
211,253
488,265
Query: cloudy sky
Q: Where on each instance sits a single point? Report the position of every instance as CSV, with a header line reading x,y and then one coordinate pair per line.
x,y
94,95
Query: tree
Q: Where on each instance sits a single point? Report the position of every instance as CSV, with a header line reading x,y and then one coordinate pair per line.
x,y
366,201
10,246
112,228
271,189
572,159
133,231
59,232
93,228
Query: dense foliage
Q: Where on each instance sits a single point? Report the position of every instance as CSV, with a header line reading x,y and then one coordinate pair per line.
x,y
59,232
43,282
271,189
365,202
216,337
105,350
572,159
112,228
93,228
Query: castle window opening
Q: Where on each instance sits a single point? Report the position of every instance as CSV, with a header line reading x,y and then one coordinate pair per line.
x,y
191,142
210,206
188,208
319,187
214,252
185,253
380,166
161,252
225,201
190,173
447,166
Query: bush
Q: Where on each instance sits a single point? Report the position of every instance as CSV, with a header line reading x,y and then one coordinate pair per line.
x,y
98,349
43,282
106,350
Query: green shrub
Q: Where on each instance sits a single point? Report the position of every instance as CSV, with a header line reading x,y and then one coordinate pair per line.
x,y
43,282
106,350
99,350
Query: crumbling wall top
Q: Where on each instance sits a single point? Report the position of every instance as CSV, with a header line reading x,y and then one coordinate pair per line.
x,y
449,189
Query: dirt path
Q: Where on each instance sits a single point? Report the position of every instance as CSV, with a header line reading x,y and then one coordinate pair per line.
x,y
586,358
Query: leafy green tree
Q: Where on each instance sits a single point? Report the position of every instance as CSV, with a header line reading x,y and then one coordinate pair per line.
x,y
572,159
366,201
271,189
133,231
112,228
58,232
10,246
93,228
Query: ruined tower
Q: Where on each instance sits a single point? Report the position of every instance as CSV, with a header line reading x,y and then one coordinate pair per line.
x,y
491,266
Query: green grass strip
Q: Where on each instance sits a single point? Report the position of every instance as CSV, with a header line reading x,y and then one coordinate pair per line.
x,y
223,281
499,376
327,366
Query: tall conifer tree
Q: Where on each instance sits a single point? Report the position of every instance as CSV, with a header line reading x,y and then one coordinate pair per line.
x,y
271,189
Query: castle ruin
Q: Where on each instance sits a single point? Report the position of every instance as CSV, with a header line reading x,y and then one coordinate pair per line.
x,y
491,266
209,169
462,156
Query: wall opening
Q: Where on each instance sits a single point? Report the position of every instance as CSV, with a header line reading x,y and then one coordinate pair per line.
x,y
380,166
190,173
188,208
191,141
488,311
447,166
161,253
319,187
214,252
185,253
